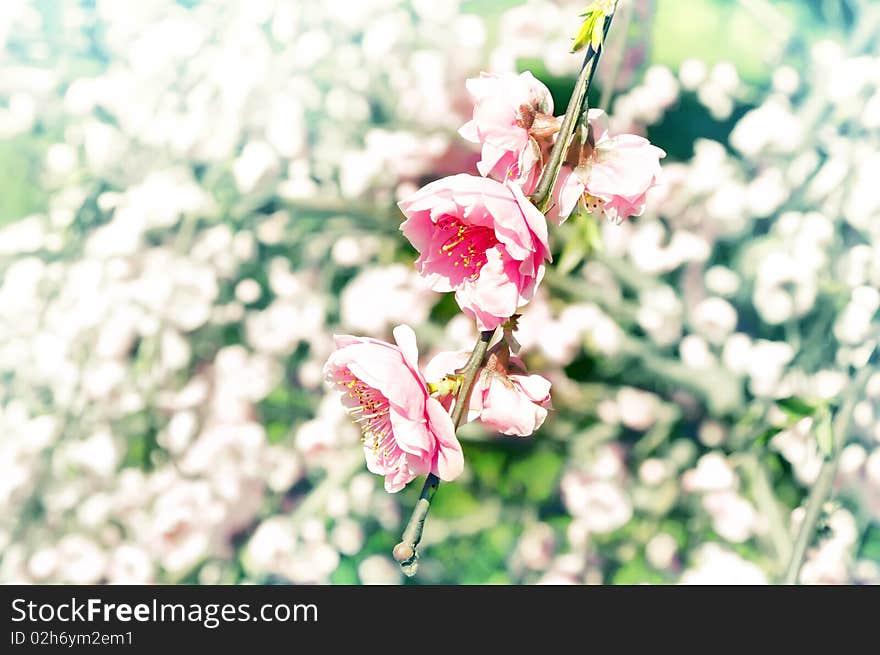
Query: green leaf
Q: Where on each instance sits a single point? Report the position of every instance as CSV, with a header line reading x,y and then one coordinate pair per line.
x,y
573,253
764,438
453,501
534,477
796,407
870,548
277,431
345,573
636,571
825,434
592,30
488,465
585,33
584,238
592,234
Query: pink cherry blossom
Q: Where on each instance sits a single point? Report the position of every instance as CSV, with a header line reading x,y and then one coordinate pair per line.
x,y
504,397
611,177
513,121
480,238
406,432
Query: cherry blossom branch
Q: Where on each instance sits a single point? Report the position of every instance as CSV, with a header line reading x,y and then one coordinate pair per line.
x,y
405,552
541,197
822,487
768,504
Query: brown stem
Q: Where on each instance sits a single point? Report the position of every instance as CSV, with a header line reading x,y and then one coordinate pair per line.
x,y
405,552
541,197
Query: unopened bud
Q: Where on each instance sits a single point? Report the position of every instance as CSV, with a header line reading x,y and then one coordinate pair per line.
x,y
403,552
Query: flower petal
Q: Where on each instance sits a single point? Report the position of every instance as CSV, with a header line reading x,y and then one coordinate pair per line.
x,y
449,459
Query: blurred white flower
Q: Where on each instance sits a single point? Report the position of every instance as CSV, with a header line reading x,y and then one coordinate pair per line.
x,y
97,454
348,537
733,517
798,445
659,314
256,164
786,80
130,564
403,298
535,547
695,352
80,560
23,236
637,409
692,73
771,126
766,363
712,473
352,251
653,471
715,565
379,570
601,506
661,550
714,318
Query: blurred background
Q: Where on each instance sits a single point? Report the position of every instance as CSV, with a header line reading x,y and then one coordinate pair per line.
x,y
194,196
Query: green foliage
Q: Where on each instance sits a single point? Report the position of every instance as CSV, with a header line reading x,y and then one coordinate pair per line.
x,y
580,237
533,478
453,501
346,573
477,560
824,433
870,548
592,30
796,408
713,32
20,165
637,571
488,465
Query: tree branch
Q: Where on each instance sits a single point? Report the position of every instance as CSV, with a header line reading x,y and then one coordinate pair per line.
x,y
405,552
768,506
822,487
540,198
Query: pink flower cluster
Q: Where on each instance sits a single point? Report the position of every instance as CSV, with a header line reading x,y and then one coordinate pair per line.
x,y
611,175
481,238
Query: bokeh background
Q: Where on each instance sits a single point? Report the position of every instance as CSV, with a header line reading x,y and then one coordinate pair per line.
x,y
194,196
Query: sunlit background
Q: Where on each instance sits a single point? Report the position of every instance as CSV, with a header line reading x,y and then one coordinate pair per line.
x,y
194,196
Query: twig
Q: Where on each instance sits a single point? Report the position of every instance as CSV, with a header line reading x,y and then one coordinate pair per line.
x,y
768,506
825,480
405,552
541,196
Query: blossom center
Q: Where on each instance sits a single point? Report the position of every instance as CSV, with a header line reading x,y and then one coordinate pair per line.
x,y
465,245
370,410
594,205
